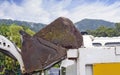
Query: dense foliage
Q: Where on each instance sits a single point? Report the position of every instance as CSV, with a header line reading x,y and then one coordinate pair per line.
x,y
106,31
12,33
34,26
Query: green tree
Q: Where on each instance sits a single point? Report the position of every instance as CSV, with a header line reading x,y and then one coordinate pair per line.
x,y
12,33
4,30
30,32
117,28
103,31
111,32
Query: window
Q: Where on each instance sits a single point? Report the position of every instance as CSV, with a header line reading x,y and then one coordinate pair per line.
x,y
96,44
109,44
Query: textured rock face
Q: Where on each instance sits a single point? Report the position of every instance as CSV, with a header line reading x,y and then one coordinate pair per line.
x,y
62,32
45,48
39,54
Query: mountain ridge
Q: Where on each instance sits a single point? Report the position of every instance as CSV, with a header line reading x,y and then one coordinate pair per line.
x,y
83,25
92,24
33,26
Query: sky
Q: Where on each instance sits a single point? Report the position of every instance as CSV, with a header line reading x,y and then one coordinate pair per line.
x,y
45,11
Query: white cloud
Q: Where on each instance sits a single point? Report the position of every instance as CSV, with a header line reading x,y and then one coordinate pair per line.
x,y
97,11
29,11
36,11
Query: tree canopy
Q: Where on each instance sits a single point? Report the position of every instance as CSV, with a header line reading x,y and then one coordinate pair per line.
x,y
12,33
103,31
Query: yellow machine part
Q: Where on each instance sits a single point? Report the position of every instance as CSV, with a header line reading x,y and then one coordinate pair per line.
x,y
106,69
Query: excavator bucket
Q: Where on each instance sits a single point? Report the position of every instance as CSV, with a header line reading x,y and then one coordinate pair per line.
x,y
49,45
39,54
62,32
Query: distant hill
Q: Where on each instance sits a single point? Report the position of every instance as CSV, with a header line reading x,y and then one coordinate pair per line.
x,y
92,24
34,26
83,25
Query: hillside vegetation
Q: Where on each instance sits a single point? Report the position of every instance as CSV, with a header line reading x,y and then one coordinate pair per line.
x,y
83,25
12,33
92,24
33,26
103,31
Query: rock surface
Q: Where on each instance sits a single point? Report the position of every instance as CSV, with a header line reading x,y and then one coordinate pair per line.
x,y
39,54
49,45
62,32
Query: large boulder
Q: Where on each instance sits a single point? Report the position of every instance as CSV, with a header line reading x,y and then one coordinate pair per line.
x,y
39,54
62,32
49,45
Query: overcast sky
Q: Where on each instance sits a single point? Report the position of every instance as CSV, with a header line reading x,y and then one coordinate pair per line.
x,y
45,11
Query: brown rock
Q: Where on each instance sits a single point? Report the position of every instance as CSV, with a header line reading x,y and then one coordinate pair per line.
x,y
62,32
39,54
45,48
